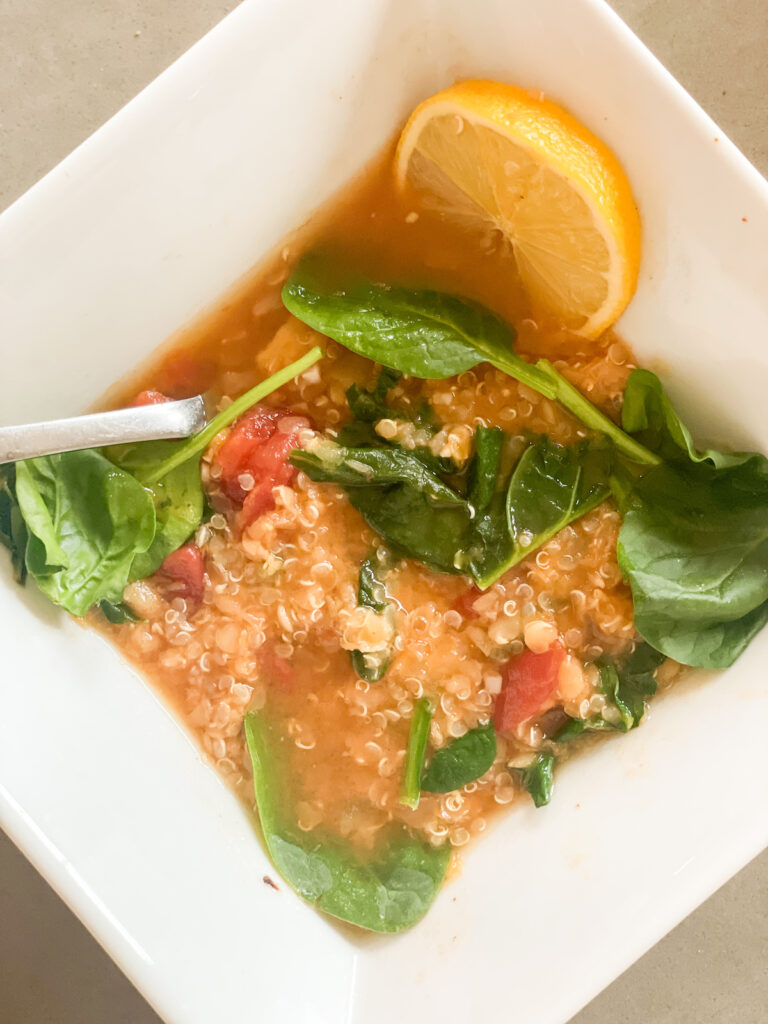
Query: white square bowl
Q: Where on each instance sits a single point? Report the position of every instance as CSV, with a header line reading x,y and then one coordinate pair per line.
x,y
144,226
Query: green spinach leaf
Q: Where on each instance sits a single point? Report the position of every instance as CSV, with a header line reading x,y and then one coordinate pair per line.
x,y
87,520
178,496
13,530
694,548
118,614
371,406
551,486
416,752
387,892
363,467
413,526
648,414
694,540
485,467
371,593
538,778
404,501
628,686
463,760
433,335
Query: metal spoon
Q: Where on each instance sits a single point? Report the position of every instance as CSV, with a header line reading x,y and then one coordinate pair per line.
x,y
140,423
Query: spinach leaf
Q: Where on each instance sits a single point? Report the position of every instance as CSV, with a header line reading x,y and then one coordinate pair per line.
x,y
406,503
370,589
550,487
694,548
87,520
372,665
386,892
422,517
433,335
538,778
578,726
118,614
628,686
360,434
425,334
370,406
414,526
694,541
13,530
178,496
485,466
463,760
416,752
648,414
361,467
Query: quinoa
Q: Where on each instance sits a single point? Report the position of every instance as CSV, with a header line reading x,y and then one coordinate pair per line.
x,y
287,585
281,594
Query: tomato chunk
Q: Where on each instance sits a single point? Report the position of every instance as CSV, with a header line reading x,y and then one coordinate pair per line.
x,y
528,681
149,398
185,569
254,458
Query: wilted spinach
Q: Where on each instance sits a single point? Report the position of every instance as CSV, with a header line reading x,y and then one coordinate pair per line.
x,y
178,498
402,499
13,530
550,487
388,891
628,685
381,466
485,467
694,538
118,614
648,414
371,406
538,778
372,665
416,752
433,335
87,520
414,526
461,761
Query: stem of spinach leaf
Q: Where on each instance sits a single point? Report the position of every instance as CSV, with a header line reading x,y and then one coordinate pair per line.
x,y
573,400
544,378
417,750
200,441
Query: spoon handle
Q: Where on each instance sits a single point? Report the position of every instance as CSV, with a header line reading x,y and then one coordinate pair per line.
x,y
140,423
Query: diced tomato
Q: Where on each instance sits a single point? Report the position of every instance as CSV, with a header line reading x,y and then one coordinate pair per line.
x,y
528,681
277,671
185,569
465,603
149,398
258,447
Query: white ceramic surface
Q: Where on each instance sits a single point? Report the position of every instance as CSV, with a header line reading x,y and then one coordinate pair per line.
x,y
145,225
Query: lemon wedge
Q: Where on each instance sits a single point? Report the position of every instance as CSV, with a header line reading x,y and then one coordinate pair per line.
x,y
509,163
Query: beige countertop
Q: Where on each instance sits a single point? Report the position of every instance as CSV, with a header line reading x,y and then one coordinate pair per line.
x,y
66,67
